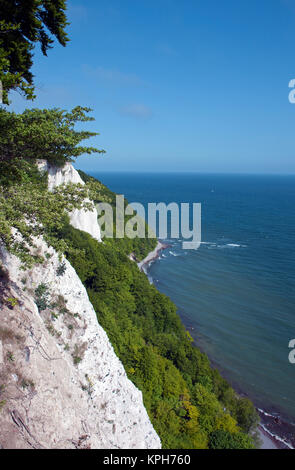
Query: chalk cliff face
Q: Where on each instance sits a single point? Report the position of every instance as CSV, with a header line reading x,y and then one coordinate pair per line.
x,y
61,383
80,218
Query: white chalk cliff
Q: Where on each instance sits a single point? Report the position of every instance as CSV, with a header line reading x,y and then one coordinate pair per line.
x,y
80,218
61,383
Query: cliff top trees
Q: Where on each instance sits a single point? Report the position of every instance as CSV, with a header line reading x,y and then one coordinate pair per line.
x,y
23,24
43,134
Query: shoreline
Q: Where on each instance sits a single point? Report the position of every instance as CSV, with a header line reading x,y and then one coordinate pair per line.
x,y
153,255
274,426
280,432
274,432
274,429
268,442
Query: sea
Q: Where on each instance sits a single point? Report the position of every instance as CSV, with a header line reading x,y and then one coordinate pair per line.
x,y
236,292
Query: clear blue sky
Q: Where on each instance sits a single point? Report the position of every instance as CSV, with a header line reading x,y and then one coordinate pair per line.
x,y
178,85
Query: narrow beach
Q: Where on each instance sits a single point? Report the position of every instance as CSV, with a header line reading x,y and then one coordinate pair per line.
x,y
153,254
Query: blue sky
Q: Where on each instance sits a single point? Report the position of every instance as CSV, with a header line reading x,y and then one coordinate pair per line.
x,y
178,85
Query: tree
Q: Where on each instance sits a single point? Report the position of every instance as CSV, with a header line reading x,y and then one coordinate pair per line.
x,y
23,24
43,134
221,439
246,415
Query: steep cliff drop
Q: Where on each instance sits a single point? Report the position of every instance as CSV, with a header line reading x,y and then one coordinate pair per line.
x,y
80,218
61,383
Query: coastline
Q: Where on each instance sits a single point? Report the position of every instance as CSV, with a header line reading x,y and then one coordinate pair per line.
x,y
275,429
267,441
273,432
153,255
280,432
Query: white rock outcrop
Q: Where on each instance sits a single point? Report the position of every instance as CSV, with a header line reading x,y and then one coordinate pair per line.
x,y
64,386
80,218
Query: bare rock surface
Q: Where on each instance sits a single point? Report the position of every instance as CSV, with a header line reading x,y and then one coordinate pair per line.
x,y
61,383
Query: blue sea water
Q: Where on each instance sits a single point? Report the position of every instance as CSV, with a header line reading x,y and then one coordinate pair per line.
x,y
237,291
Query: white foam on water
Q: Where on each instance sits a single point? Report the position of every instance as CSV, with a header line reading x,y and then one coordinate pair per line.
x,y
278,438
265,413
174,254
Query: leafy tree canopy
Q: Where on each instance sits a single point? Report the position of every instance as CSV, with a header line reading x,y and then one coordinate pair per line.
x,y
222,439
23,24
43,134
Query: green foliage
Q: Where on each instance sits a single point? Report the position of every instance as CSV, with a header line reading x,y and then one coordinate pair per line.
x,y
139,247
25,202
186,399
77,360
12,301
10,356
242,409
23,24
61,269
42,297
221,439
246,414
42,134
32,211
2,404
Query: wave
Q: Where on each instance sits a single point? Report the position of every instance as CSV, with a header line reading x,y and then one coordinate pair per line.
x,y
276,437
174,254
265,413
144,268
226,246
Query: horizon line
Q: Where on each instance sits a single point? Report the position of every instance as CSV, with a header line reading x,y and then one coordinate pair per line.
x,y
186,172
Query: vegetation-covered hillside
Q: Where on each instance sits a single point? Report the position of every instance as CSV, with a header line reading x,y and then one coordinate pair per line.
x,y
189,403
